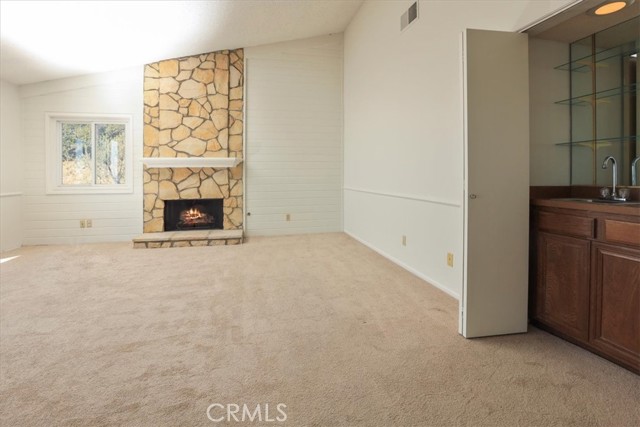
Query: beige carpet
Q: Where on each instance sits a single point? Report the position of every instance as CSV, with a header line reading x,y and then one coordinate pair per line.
x,y
107,335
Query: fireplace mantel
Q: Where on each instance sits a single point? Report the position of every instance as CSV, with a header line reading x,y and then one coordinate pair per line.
x,y
191,162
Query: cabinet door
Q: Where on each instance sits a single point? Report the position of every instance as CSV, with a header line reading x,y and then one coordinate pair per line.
x,y
562,297
615,303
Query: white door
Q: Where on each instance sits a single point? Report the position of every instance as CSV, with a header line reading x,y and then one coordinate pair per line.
x,y
496,99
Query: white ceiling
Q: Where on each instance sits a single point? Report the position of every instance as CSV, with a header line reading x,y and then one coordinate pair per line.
x,y
49,40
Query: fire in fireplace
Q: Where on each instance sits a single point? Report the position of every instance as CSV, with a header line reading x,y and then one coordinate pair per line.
x,y
193,214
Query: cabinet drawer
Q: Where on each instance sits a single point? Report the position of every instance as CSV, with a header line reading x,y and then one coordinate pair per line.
x,y
622,232
566,224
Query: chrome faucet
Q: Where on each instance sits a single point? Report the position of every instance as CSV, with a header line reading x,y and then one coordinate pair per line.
x,y
614,196
634,171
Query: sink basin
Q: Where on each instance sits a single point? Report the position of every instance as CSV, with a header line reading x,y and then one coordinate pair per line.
x,y
615,202
604,201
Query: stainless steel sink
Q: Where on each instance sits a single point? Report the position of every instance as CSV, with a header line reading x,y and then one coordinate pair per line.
x,y
603,201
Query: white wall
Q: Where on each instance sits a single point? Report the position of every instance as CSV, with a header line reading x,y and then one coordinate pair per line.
x,y
294,137
548,122
403,166
10,168
54,219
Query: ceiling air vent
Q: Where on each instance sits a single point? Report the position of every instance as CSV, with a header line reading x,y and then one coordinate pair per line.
x,y
409,16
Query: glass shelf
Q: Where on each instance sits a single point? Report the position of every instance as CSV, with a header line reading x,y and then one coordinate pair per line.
x,y
584,64
600,142
589,99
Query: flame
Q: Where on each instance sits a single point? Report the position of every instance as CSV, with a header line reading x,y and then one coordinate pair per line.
x,y
194,216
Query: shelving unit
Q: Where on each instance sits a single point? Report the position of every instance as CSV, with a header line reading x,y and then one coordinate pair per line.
x,y
601,142
603,95
586,63
603,92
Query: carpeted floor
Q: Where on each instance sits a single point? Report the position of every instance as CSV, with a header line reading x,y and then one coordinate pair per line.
x,y
96,335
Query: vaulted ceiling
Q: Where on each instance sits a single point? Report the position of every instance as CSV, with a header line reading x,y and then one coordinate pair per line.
x,y
49,40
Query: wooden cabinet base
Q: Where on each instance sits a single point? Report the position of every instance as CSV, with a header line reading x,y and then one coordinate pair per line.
x,y
563,284
633,367
615,302
585,279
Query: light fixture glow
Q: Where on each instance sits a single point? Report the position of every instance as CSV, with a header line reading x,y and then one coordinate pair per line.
x,y
608,7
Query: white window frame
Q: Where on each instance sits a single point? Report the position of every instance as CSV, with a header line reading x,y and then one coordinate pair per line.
x,y
54,154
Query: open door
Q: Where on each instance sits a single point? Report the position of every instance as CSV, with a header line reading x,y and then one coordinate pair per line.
x,y
496,207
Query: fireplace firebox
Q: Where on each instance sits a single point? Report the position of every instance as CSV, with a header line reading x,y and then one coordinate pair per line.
x,y
193,214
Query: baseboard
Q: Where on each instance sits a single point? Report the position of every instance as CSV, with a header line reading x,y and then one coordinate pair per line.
x,y
411,270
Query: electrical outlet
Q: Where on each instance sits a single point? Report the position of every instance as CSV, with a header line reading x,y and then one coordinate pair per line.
x,y
83,223
404,240
450,259
288,217
89,223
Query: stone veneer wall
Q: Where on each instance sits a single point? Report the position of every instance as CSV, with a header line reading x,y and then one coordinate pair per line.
x,y
193,108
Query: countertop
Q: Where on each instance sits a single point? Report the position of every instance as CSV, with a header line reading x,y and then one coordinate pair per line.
x,y
612,208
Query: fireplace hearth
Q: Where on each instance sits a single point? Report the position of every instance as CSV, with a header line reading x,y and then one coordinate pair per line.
x,y
193,214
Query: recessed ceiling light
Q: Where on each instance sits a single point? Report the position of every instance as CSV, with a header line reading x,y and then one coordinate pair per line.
x,y
609,7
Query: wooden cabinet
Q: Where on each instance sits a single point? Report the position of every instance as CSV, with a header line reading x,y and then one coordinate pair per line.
x,y
585,281
615,302
563,284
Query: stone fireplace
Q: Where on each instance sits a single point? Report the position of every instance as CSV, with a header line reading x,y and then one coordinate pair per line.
x,y
193,145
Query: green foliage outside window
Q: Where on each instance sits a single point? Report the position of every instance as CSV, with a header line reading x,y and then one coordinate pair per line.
x,y
110,148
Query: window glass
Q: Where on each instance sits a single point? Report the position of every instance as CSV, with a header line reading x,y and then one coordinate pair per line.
x,y
88,153
76,154
110,153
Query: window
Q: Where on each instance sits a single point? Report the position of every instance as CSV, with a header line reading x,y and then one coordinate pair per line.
x,y
88,153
